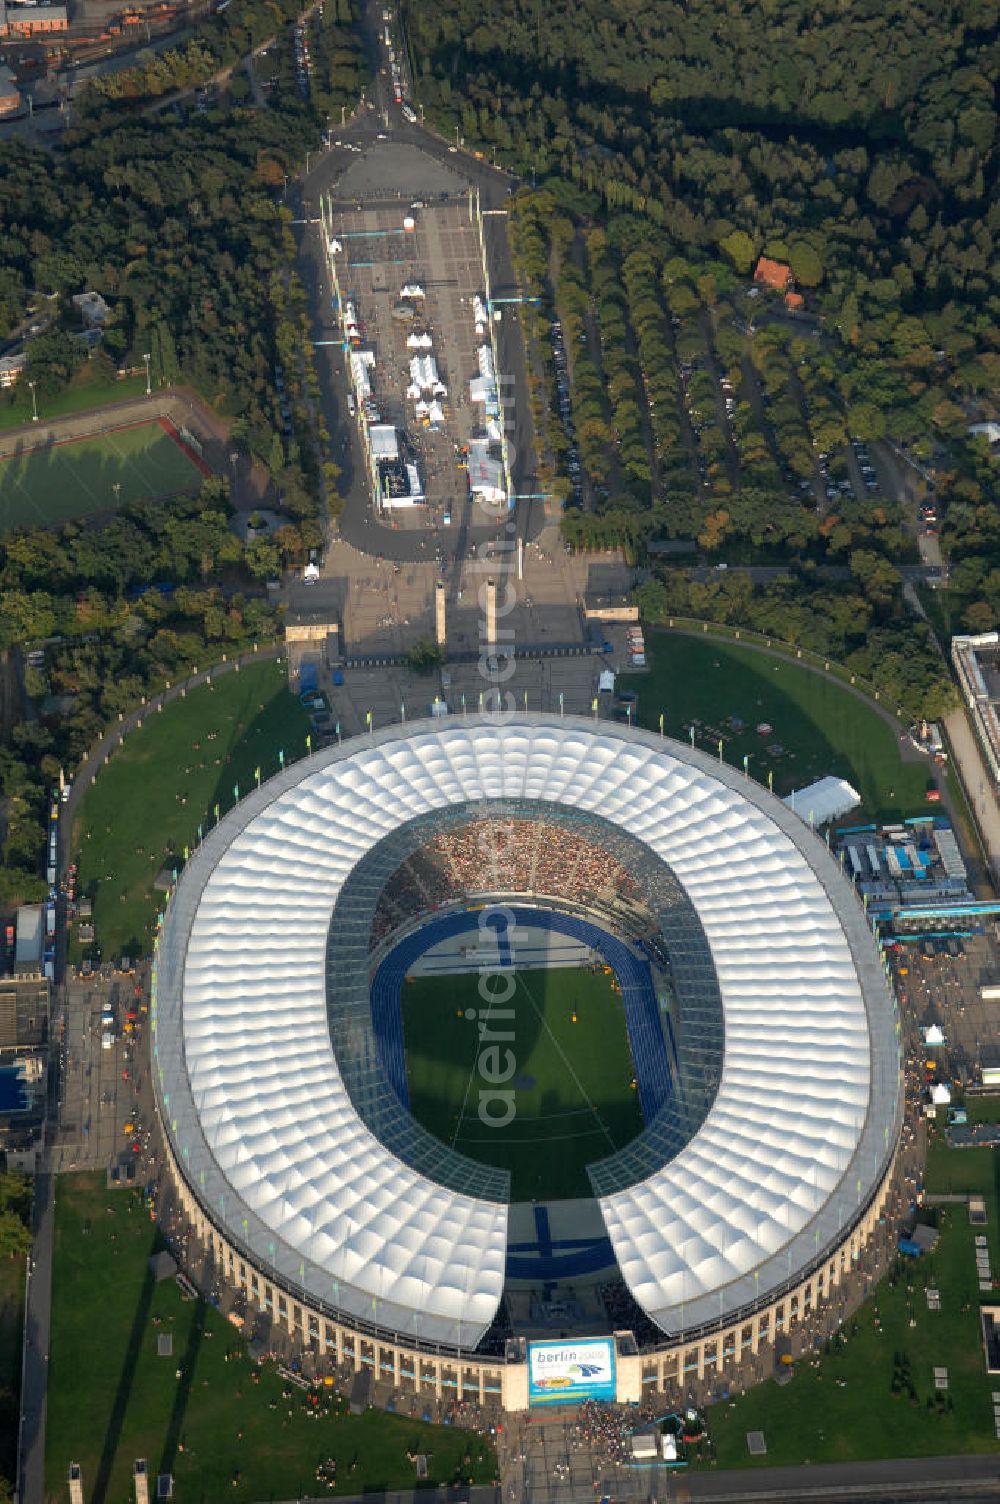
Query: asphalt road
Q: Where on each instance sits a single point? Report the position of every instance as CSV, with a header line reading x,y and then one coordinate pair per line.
x,y
31,1448
914,1480
427,167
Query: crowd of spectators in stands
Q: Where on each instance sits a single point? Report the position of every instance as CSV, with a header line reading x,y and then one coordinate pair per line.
x,y
540,858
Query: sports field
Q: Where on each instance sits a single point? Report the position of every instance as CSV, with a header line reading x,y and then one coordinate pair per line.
x,y
87,392
224,1427
94,474
817,726
147,804
571,1094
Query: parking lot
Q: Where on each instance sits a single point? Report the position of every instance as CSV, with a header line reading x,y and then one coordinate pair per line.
x,y
439,255
102,1032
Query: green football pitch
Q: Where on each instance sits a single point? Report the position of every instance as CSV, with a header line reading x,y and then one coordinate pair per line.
x,y
570,1097
94,474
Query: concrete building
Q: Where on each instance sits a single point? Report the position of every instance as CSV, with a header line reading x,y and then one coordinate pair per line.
x,y
24,1012
311,636
92,308
29,941
10,103
977,663
11,366
33,20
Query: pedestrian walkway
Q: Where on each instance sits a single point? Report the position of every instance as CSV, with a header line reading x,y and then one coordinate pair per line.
x,y
31,1440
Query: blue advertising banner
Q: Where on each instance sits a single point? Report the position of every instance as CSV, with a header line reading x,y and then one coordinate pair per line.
x,y
565,1373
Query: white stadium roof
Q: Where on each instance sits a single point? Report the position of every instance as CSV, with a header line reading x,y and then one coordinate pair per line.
x,y
264,1130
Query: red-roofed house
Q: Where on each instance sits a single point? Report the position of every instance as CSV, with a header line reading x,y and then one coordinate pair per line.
x,y
794,300
772,274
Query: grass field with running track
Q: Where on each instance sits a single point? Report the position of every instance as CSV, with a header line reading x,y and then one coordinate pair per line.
x,y
78,478
573,1094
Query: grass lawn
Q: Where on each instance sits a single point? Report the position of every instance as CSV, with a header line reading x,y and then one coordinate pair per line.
x,y
982,1109
147,804
573,1095
818,726
844,1409
49,485
956,1171
112,1399
11,1324
85,393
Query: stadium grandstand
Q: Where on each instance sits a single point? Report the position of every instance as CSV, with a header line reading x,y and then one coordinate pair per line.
x,y
759,1026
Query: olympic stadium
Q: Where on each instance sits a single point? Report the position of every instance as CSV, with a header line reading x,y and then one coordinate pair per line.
x,y
674,983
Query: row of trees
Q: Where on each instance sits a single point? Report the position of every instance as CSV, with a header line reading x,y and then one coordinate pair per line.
x,y
864,624
121,608
177,220
770,130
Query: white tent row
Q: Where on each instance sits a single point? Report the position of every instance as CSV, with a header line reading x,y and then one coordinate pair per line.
x,y
481,389
479,313
432,411
424,374
411,290
419,342
486,366
486,477
362,362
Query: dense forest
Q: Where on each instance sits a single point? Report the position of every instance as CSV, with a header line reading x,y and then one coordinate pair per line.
x,y
176,217
856,142
660,150
173,210
116,608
